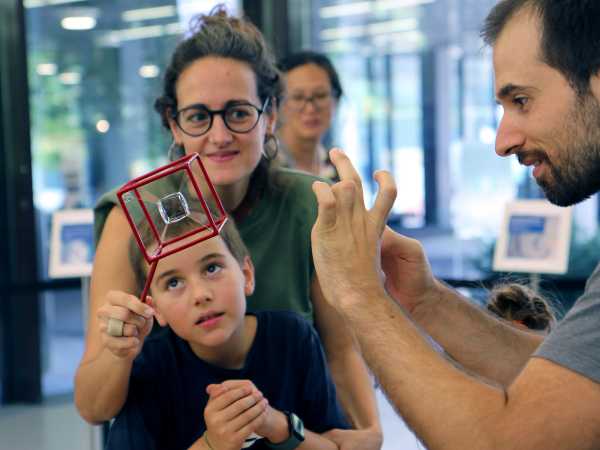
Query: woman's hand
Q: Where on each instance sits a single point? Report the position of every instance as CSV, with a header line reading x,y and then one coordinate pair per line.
x,y
137,318
235,410
364,439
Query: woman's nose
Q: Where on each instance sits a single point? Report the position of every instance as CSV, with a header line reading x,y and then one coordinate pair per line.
x,y
219,134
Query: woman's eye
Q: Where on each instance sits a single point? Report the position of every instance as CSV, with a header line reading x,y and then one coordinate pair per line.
x,y
298,98
238,113
198,116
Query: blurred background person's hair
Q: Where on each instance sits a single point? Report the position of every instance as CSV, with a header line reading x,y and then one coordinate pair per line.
x,y
522,306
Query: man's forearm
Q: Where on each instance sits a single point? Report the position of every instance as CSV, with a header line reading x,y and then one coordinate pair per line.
x,y
419,382
481,343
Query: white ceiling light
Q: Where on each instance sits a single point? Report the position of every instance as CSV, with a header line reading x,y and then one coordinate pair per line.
x,y
116,37
103,126
70,77
40,3
46,69
78,23
149,71
372,29
349,9
158,12
358,8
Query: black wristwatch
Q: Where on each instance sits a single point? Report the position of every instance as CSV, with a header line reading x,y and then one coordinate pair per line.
x,y
296,429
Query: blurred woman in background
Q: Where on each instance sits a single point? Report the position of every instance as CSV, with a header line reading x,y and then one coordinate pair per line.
x,y
313,90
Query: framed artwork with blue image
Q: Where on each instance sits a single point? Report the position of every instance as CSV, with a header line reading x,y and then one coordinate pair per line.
x,y
534,238
71,243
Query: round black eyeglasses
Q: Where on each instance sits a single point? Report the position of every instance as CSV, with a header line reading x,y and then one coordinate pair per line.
x,y
196,120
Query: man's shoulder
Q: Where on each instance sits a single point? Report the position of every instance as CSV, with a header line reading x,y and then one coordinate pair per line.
x,y
593,282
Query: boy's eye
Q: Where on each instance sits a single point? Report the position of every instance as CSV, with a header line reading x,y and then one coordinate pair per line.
x,y
173,283
211,269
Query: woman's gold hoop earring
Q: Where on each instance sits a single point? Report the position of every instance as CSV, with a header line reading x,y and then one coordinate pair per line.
x,y
175,151
271,147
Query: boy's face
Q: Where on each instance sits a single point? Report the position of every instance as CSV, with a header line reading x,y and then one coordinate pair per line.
x,y
201,293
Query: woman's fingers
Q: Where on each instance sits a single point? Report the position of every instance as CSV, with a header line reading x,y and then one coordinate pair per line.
x,y
130,302
128,309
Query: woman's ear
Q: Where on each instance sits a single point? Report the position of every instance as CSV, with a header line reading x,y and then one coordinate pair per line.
x,y
272,117
248,271
159,317
175,131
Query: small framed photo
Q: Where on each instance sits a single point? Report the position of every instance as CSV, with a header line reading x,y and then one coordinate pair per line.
x,y
534,238
71,243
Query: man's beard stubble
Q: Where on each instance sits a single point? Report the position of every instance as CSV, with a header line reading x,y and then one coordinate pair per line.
x,y
576,173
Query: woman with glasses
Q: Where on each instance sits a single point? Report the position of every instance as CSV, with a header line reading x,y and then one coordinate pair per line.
x,y
220,97
313,90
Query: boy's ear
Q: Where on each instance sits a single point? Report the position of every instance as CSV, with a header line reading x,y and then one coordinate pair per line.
x,y
159,317
248,271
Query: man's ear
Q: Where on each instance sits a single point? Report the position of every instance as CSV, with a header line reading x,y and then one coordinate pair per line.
x,y
248,271
159,317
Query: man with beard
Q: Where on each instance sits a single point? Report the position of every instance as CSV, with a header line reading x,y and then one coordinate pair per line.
x,y
505,388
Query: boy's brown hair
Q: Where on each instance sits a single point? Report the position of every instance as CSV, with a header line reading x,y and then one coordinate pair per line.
x,y
229,233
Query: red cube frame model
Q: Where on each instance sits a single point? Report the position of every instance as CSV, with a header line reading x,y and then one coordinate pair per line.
x,y
172,206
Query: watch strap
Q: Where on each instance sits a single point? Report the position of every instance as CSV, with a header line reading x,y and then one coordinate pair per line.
x,y
296,430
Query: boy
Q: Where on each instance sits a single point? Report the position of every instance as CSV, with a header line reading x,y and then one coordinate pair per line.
x,y
217,377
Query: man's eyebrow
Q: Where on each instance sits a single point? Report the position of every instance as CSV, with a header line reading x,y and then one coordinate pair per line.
x,y
506,90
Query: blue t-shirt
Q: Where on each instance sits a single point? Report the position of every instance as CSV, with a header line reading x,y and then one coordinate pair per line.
x,y
167,390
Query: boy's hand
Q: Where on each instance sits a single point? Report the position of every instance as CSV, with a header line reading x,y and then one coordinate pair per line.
x,y
234,411
138,319
273,426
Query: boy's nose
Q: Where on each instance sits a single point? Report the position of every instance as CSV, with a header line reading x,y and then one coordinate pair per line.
x,y
201,293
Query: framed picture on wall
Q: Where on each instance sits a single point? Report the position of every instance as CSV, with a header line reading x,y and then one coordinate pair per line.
x,y
534,238
71,243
